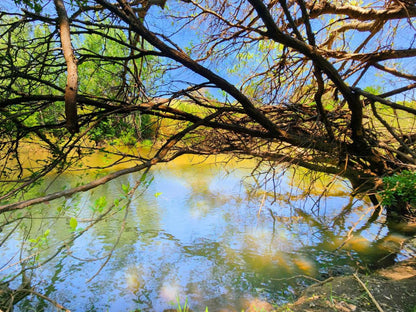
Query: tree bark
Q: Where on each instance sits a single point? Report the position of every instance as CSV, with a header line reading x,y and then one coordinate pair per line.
x,y
354,103
72,69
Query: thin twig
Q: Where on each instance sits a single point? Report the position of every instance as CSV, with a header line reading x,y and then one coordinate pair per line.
x,y
318,282
262,204
108,257
368,292
122,227
55,303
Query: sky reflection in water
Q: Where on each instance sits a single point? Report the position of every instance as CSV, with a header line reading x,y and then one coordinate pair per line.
x,y
197,233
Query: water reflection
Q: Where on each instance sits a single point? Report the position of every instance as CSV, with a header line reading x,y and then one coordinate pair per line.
x,y
196,234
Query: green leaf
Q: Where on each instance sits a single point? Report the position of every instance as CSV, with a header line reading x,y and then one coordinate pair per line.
x,y
33,4
100,203
73,223
143,177
125,188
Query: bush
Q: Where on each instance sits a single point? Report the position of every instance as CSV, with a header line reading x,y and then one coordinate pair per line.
x,y
400,187
127,130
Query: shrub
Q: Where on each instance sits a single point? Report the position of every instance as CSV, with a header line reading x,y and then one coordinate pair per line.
x,y
400,187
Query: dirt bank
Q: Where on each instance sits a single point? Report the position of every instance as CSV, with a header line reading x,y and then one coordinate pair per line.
x,y
390,290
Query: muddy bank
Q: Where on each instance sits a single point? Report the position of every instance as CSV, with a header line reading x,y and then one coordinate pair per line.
x,y
389,289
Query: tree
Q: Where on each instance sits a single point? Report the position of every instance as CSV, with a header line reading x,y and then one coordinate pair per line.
x,y
325,85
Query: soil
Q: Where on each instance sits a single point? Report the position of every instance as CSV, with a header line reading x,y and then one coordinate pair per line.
x,y
390,290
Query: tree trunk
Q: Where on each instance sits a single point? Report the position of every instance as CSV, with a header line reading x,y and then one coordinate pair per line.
x,y
71,63
401,218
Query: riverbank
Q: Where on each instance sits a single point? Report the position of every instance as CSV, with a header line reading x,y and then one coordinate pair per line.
x,y
389,289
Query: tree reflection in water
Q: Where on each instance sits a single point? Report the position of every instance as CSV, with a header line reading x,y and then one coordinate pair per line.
x,y
194,233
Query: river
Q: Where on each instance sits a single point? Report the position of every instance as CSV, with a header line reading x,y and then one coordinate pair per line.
x,y
202,233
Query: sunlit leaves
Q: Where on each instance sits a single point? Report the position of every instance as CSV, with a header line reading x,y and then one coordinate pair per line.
x,y
36,5
98,75
40,240
400,187
73,223
125,188
100,204
39,243
355,2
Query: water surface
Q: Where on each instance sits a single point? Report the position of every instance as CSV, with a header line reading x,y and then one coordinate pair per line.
x,y
202,233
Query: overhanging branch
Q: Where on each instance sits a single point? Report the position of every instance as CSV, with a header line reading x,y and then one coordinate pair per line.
x,y
361,14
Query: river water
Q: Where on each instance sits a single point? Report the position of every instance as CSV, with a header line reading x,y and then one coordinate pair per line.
x,y
203,234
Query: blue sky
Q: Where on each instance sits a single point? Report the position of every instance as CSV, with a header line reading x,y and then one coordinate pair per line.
x,y
158,22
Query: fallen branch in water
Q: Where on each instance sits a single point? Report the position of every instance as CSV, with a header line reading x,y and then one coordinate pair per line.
x,y
72,191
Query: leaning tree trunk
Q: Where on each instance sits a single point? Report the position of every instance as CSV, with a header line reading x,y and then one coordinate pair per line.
x,y
71,63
